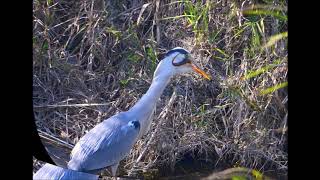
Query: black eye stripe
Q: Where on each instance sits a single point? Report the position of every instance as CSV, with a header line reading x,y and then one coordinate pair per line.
x,y
181,51
184,61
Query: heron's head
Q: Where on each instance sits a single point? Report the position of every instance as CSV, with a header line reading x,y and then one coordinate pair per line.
x,y
178,61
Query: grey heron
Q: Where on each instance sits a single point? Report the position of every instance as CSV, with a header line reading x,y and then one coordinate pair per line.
x,y
109,142
49,171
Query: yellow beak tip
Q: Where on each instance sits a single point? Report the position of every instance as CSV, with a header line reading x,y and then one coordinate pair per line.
x,y
201,72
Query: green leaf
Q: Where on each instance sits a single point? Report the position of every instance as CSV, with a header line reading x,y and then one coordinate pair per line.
x,y
176,17
259,71
273,88
113,31
49,2
124,82
263,12
134,57
222,52
273,39
257,174
45,46
238,178
152,56
214,35
255,36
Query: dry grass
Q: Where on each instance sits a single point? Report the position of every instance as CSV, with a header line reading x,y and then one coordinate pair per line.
x,y
93,59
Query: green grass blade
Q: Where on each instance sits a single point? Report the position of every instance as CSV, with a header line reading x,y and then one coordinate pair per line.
x,y
273,88
258,175
222,52
273,39
238,178
261,70
176,17
261,12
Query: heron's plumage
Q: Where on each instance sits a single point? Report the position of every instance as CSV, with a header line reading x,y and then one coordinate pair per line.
x,y
144,109
104,145
51,172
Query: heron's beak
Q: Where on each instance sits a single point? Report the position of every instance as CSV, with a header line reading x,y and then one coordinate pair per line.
x,y
199,71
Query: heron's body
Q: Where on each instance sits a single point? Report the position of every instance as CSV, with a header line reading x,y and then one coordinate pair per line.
x,y
110,141
104,145
51,172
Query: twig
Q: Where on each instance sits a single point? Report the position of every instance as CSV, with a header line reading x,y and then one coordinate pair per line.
x,y
156,21
126,11
72,105
54,139
67,121
141,12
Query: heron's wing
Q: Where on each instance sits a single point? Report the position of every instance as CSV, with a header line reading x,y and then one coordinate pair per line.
x,y
104,145
49,171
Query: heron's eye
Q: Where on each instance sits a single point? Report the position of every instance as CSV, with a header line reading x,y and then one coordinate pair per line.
x,y
176,61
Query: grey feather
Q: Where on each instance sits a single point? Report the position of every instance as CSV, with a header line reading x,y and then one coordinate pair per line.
x,y
104,145
149,121
49,171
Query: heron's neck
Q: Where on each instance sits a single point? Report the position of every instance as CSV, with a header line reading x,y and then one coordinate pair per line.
x,y
145,106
